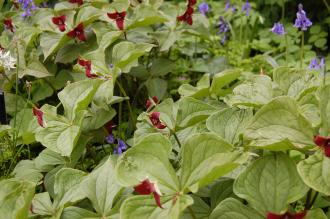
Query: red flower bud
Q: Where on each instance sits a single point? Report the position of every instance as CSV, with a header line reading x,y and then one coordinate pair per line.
x,y
146,187
60,22
79,2
78,32
39,114
287,215
119,17
324,143
8,22
152,102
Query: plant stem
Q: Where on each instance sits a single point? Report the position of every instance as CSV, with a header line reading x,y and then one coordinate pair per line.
x,y
309,200
327,5
286,49
302,49
176,138
128,103
283,10
192,213
241,25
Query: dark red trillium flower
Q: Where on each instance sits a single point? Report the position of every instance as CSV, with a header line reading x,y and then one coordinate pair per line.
x,y
78,32
8,22
88,67
151,102
324,143
39,114
192,2
79,2
287,215
146,188
187,16
154,118
109,126
60,22
119,17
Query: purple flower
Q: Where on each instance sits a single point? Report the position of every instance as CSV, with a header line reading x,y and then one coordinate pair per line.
x,y
110,139
203,8
228,6
316,65
28,6
223,28
246,8
121,147
278,29
302,21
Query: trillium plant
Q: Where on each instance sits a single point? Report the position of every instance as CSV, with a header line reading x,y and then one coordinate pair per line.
x,y
187,109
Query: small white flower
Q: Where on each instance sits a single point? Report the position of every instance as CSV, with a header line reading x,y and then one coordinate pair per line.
x,y
6,60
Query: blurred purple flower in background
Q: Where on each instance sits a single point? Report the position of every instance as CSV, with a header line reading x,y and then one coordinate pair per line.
x,y
121,147
28,6
203,8
229,6
223,28
110,139
246,8
278,29
316,65
302,21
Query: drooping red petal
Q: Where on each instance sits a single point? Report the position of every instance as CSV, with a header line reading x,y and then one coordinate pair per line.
x,y
113,15
180,18
82,37
79,2
274,216
109,126
39,114
189,20
155,99
60,22
71,34
320,140
154,118
120,23
189,11
191,2
157,199
148,104
327,151
8,22
122,14
61,27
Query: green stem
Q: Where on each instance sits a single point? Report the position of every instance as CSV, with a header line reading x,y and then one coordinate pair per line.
x,y
241,25
286,49
192,213
302,49
128,103
283,10
327,5
176,138
309,200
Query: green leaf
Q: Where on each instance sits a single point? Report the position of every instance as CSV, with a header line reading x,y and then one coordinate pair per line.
x,y
280,126
40,90
157,87
315,172
221,190
78,213
50,42
10,102
76,97
148,158
125,54
192,111
255,91
87,15
231,208
27,170
42,205
201,90
222,79
161,67
315,213
67,186
96,117
324,104
47,160
229,123
206,157
270,184
102,188
200,209
35,69
15,198
321,43
60,137
141,207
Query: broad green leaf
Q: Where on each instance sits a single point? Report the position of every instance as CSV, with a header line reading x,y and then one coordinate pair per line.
x,y
125,54
201,90
285,77
141,207
148,158
255,91
166,39
270,184
221,190
96,117
315,214
146,15
156,87
67,186
10,102
315,172
102,188
229,123
76,97
324,104
87,15
79,213
231,208
48,159
104,94
35,69
280,126
15,198
59,137
42,205
200,209
50,42
27,170
192,111
206,157
161,67
222,79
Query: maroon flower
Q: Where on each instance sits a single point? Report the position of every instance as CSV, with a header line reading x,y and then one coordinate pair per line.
x,y
287,215
187,16
88,67
79,2
192,2
146,187
154,118
60,22
119,17
78,32
39,114
8,22
151,102
324,143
